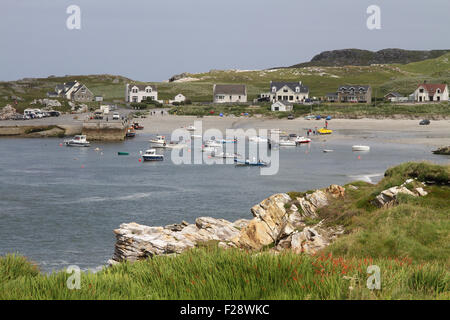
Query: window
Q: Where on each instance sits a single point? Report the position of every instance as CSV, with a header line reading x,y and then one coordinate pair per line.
x,y
134,90
421,90
274,89
148,90
297,89
285,90
291,98
438,91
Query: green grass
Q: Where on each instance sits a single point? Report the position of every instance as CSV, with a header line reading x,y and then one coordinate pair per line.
x,y
212,273
409,242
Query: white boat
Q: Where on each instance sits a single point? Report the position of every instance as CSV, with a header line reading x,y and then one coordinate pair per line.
x,y
174,145
360,148
77,141
286,143
302,140
159,142
190,128
150,155
223,155
276,131
209,150
257,139
196,136
212,143
327,150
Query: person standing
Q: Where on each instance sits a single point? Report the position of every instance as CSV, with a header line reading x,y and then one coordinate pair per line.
x,y
326,124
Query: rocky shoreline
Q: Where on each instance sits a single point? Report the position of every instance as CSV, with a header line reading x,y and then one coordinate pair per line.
x,y
280,222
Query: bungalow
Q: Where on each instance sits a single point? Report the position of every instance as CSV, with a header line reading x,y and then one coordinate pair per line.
x,y
395,97
431,92
354,93
293,92
178,98
139,92
331,97
281,106
229,93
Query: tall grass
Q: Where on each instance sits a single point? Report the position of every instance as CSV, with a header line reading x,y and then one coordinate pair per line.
x,y
213,273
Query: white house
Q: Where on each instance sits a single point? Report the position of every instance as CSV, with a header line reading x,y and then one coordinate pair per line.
x,y
178,98
229,93
427,92
281,106
139,92
293,92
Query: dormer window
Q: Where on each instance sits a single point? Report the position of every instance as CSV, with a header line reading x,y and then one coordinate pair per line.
x,y
148,89
134,90
297,89
438,90
274,89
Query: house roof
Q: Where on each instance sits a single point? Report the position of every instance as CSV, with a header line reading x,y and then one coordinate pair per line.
x,y
80,87
356,87
292,85
331,94
395,94
432,87
230,89
142,87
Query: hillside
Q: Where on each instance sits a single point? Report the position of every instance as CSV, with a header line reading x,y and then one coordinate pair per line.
x,y
357,57
198,87
408,241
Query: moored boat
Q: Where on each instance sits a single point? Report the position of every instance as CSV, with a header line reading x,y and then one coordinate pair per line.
x,y
360,148
286,143
77,141
130,132
302,140
249,163
159,142
150,155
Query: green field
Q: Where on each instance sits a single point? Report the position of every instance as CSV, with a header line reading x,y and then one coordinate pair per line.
x,y
321,80
409,242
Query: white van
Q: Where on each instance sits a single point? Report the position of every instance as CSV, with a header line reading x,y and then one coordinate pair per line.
x,y
116,116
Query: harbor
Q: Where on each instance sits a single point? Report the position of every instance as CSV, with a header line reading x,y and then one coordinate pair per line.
x,y
77,196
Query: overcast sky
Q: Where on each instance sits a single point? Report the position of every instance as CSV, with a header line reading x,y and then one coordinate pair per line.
x,y
151,40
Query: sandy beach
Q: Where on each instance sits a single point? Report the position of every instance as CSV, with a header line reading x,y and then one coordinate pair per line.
x,y
385,130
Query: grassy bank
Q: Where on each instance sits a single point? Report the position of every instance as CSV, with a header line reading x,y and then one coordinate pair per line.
x,y
408,242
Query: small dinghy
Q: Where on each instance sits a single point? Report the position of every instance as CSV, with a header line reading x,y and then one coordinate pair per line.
x,y
302,140
287,143
150,155
327,150
360,148
122,153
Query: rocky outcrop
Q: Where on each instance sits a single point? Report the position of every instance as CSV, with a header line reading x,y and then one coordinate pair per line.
x,y
388,198
442,150
357,57
136,242
278,221
7,112
47,103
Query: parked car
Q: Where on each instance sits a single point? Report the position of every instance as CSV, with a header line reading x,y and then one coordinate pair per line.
x,y
424,122
310,117
54,113
290,117
318,117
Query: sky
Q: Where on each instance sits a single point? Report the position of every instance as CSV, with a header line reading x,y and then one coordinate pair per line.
x,y
151,40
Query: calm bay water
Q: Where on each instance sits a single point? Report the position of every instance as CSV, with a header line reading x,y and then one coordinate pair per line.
x,y
59,205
